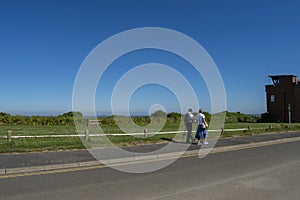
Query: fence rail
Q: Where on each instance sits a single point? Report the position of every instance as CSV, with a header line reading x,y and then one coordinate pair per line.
x,y
86,134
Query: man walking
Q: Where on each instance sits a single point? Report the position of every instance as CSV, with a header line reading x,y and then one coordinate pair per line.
x,y
188,121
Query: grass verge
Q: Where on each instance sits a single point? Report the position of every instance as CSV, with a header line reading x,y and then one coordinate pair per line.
x,y
69,143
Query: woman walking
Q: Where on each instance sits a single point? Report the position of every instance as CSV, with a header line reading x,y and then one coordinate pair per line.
x,y
201,133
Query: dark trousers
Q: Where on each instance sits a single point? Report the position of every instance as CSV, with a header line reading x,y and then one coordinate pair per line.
x,y
189,137
201,132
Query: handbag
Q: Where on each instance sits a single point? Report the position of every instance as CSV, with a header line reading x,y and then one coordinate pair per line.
x,y
203,125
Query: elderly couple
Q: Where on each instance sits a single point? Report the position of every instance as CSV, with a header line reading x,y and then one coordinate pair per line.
x,y
201,133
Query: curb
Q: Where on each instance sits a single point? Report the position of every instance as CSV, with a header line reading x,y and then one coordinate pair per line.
x,y
130,160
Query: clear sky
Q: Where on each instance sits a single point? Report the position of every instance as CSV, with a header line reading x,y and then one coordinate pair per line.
x,y
43,43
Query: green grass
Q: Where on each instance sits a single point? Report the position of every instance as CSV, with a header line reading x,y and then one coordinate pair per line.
x,y
68,143
51,144
40,144
37,130
257,128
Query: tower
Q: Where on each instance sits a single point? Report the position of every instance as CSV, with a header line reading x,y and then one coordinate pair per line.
x,y
283,94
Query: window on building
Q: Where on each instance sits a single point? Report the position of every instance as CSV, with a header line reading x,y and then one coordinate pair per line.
x,y
272,98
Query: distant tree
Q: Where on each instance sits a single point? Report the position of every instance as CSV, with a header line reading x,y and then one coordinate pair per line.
x,y
267,117
72,114
2,114
159,114
207,116
174,117
5,118
107,120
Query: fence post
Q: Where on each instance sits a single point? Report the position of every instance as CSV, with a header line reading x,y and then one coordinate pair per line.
x,y
222,130
270,127
145,132
9,133
86,133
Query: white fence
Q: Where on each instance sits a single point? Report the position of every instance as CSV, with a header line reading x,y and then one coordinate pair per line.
x,y
86,134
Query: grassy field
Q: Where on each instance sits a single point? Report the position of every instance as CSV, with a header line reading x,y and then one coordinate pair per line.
x,y
67,143
257,128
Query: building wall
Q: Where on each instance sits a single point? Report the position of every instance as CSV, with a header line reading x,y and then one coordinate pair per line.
x,y
296,107
275,107
285,90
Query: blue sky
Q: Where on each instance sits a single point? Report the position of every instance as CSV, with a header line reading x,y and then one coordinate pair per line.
x,y
43,44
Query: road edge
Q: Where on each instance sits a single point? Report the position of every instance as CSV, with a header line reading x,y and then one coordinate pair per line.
x,y
128,160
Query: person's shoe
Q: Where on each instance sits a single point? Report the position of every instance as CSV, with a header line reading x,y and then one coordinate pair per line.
x,y
199,143
205,142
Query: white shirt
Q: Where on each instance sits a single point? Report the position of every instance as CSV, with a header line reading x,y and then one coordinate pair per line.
x,y
200,118
191,117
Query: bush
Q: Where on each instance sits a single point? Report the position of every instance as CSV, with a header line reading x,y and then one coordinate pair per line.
x,y
267,117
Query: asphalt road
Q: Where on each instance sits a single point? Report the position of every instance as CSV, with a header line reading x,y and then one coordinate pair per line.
x,y
76,156
269,172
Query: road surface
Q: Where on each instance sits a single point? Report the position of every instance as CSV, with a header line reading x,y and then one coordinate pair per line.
x,y
269,172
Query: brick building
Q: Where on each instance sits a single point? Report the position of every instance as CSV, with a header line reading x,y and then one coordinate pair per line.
x,y
282,95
